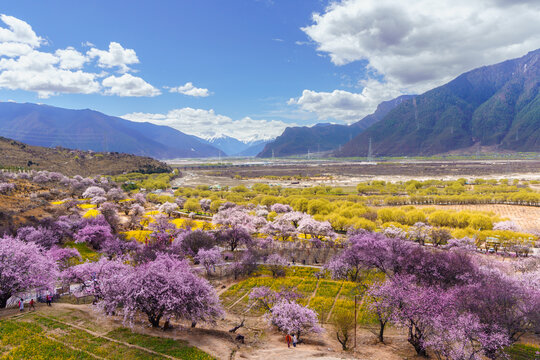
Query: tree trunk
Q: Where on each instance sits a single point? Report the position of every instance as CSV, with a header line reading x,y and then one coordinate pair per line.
x,y
3,300
154,320
381,331
415,339
343,341
233,330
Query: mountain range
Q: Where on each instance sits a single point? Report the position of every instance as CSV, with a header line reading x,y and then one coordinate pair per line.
x,y
324,137
50,126
496,106
234,147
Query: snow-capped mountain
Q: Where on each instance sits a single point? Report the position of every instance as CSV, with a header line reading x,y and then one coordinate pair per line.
x,y
234,147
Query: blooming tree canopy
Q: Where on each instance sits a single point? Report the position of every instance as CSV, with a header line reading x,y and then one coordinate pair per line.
x,y
293,318
165,287
94,191
209,258
23,266
168,208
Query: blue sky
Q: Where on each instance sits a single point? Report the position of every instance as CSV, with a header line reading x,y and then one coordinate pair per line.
x,y
249,68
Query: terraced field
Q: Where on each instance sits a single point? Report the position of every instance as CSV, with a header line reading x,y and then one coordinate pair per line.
x,y
323,295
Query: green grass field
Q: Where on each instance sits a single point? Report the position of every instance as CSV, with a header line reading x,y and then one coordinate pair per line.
x,y
34,336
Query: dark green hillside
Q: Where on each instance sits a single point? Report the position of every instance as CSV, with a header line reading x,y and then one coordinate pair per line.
x,y
496,105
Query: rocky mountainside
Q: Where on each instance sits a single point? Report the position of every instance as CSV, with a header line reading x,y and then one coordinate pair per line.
x,y
324,137
15,154
497,106
50,126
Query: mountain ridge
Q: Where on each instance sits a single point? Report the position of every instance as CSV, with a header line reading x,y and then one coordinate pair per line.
x,y
495,105
324,137
49,126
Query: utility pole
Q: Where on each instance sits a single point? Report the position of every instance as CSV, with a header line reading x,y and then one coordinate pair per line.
x,y
355,306
369,155
272,154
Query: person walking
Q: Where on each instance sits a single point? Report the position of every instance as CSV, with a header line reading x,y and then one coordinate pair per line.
x,y
288,339
32,307
294,340
49,300
21,305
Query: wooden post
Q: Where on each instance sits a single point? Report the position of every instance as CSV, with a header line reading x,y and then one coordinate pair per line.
x,y
355,305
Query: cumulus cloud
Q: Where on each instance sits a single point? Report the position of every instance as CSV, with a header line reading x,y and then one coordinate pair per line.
x,y
206,124
24,67
116,56
37,71
190,90
343,105
128,85
420,44
70,58
18,31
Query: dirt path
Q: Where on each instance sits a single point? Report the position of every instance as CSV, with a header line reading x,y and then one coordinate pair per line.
x,y
314,292
334,303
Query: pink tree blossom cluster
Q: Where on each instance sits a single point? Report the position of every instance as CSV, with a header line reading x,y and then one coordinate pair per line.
x,y
168,208
6,187
164,288
237,217
293,318
435,294
24,267
205,204
209,258
94,191
42,236
281,208
316,229
506,225
265,297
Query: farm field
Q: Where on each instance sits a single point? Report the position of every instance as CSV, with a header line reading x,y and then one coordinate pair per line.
x,y
65,334
323,295
526,217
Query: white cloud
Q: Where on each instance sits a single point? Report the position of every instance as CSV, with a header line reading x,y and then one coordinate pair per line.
x,y
206,124
189,89
18,31
71,58
13,49
23,67
128,85
116,56
419,44
38,71
343,105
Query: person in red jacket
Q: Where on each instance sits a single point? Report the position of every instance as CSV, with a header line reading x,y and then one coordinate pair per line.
x,y
288,339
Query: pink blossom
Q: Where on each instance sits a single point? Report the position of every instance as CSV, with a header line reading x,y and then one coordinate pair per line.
x,y
23,267
293,318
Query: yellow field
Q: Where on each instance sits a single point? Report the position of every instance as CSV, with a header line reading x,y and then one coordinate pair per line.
x,y
526,217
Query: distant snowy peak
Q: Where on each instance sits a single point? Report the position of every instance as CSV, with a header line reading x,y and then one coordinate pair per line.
x,y
233,147
249,141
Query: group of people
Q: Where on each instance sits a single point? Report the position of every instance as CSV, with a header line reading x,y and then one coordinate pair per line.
x,y
32,303
293,340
